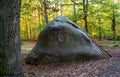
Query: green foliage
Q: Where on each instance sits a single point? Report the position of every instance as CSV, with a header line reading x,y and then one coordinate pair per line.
x,y
40,27
100,14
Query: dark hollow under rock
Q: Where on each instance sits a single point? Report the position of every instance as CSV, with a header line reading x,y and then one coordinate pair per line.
x,y
63,41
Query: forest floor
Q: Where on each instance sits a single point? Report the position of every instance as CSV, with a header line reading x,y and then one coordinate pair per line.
x,y
79,69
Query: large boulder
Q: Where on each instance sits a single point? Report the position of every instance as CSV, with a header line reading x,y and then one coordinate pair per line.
x,y
63,41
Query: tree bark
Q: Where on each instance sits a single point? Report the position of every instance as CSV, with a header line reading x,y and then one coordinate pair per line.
x,y
85,10
100,29
45,10
61,4
74,7
113,25
10,49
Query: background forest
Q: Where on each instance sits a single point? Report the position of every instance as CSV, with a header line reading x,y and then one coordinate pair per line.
x,y
100,18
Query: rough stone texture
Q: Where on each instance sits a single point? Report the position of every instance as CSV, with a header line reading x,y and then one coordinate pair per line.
x,y
63,41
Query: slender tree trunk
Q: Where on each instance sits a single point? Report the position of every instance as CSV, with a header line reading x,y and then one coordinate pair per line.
x,y
39,15
113,25
100,36
10,49
30,32
45,10
85,10
61,3
26,26
100,29
74,7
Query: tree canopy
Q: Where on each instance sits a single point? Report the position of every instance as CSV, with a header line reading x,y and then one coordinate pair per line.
x,y
100,18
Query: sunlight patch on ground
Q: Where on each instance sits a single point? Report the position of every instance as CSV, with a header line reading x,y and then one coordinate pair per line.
x,y
26,49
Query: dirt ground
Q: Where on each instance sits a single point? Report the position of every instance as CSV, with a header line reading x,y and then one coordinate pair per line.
x,y
80,69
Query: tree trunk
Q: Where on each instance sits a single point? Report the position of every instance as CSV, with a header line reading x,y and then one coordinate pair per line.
x,y
46,13
85,10
26,26
100,35
74,7
100,29
113,25
10,50
61,4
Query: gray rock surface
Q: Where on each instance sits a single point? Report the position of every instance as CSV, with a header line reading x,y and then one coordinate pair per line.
x,y
63,41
